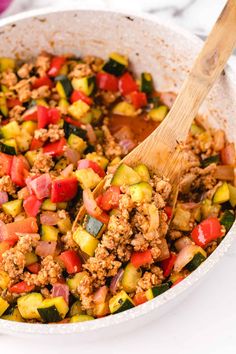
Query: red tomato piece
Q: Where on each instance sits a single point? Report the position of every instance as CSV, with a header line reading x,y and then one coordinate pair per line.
x,y
91,164
28,225
139,299
36,144
31,114
64,189
72,121
138,99
107,82
43,117
168,264
79,95
12,102
168,211
41,186
56,65
21,287
56,148
19,170
32,205
139,259
207,231
34,268
127,84
5,164
110,198
71,261
54,116
4,246
42,81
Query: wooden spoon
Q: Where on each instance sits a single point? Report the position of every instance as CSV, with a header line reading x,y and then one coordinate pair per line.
x,y
160,152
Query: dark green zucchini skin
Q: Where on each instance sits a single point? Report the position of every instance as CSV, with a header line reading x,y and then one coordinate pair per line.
x,y
124,306
72,129
49,314
227,219
146,85
7,149
212,159
113,67
65,83
93,226
160,289
195,262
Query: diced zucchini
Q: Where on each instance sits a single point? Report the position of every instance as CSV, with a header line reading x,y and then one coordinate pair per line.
x,y
125,175
209,209
158,114
78,109
64,225
205,140
3,306
227,219
13,207
4,280
101,310
23,141
31,156
130,278
222,194
120,302
63,86
77,143
63,104
53,310
49,205
7,147
14,315
49,233
115,161
143,172
76,309
3,106
62,205
86,242
7,63
42,102
212,159
72,129
4,88
84,84
29,127
87,118
232,195
196,261
30,258
195,129
28,305
141,192
124,109
146,83
81,318
87,178
181,219
94,227
96,115
157,290
116,65
74,282
61,164
10,130
102,161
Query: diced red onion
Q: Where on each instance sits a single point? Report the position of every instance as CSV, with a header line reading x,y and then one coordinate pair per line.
x,y
185,256
59,289
224,172
72,155
228,154
3,197
67,171
91,134
116,281
44,248
100,295
49,218
182,242
90,203
41,186
127,145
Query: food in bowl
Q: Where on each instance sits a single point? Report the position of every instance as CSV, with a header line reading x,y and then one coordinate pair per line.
x,y
65,121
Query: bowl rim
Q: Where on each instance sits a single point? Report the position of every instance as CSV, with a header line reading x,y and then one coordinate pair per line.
x,y
168,297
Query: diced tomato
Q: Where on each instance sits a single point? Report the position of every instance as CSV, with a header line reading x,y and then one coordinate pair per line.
x,y
79,95
4,246
19,170
91,164
56,65
28,225
139,259
139,299
5,164
56,148
127,84
32,205
107,82
42,81
110,198
12,102
36,144
21,287
168,264
207,231
168,211
138,99
41,186
92,207
72,121
103,217
43,118
177,281
64,189
34,268
31,114
71,261
54,116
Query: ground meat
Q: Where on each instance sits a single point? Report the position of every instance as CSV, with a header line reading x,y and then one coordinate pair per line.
x,y
42,163
8,78
53,133
43,63
211,248
149,279
41,92
68,241
27,242
62,214
94,62
23,90
6,185
24,71
80,70
6,218
111,148
85,289
16,112
13,262
108,97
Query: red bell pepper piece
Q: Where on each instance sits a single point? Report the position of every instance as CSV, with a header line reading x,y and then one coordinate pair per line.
x,y
71,261
34,268
36,144
4,246
207,231
21,287
127,84
138,99
72,121
42,81
56,65
43,118
12,102
168,211
64,189
54,116
79,95
31,114
168,264
177,281
107,82
5,164
91,164
32,205
28,225
19,170
139,259
41,186
110,198
56,148
139,299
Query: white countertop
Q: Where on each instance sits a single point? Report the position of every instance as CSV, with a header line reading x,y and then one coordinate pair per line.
x,y
206,321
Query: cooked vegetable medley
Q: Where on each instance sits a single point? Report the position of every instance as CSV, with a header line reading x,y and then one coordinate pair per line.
x,y
65,123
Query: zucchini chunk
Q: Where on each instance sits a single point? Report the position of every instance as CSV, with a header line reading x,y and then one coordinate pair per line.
x,y
53,310
4,280
76,309
31,156
116,65
125,175
78,109
13,208
49,233
157,290
13,315
143,172
74,282
211,159
196,261
64,225
30,258
158,114
227,219
141,192
232,195
86,242
222,194
3,306
10,130
49,205
124,109
181,219
28,305
77,143
94,227
130,278
195,129
7,63
84,84
87,178
120,302
146,84
102,161
81,318
72,129
63,86
7,148
3,106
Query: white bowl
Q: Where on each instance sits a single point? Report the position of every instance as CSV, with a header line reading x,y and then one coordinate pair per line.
x,y
168,53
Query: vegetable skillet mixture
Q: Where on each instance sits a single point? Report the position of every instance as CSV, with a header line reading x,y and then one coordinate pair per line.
x,y
65,122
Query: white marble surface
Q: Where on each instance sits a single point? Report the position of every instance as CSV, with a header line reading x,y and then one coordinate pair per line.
x,y
206,321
